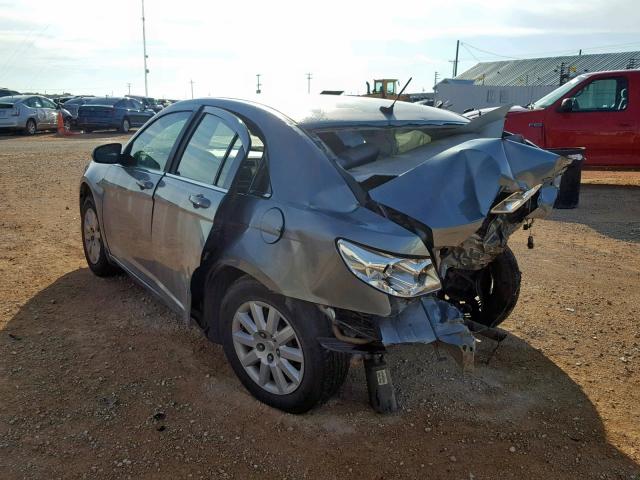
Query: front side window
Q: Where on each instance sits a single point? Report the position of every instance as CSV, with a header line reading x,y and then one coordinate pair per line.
x,y
151,149
555,95
211,151
607,94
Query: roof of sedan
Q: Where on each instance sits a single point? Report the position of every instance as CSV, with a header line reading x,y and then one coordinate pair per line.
x,y
325,111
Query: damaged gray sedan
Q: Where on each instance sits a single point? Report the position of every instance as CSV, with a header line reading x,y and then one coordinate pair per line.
x,y
297,235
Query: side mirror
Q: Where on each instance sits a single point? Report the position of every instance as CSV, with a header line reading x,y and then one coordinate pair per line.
x,y
109,153
567,104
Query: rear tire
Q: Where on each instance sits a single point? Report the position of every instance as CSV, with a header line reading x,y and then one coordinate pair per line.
x,y
92,243
31,128
506,279
308,373
125,126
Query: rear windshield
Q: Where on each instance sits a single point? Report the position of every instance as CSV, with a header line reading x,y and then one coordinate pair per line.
x,y
382,142
103,101
10,100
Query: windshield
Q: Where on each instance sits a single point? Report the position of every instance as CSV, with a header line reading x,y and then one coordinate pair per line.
x,y
103,101
551,98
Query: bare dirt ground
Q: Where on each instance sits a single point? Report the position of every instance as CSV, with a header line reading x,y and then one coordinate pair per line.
x,y
99,380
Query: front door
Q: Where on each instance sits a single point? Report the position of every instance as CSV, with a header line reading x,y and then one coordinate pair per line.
x,y
136,112
128,194
187,199
50,112
600,120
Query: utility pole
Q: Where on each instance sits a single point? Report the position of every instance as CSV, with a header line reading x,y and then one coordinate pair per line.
x,y
455,62
144,49
191,82
309,77
436,75
258,84
129,88
580,52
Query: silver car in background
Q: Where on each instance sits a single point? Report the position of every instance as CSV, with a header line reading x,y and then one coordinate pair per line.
x,y
29,113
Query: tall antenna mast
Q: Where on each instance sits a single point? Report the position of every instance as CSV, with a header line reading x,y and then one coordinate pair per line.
x,y
144,49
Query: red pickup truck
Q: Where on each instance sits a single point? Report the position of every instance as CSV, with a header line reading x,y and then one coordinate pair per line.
x,y
599,111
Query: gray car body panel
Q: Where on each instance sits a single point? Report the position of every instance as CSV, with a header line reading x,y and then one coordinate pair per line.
x,y
287,240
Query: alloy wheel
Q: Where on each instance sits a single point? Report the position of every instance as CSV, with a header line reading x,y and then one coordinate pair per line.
x,y
268,347
92,235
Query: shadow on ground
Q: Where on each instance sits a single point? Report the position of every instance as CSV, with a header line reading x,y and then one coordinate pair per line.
x,y
99,379
607,210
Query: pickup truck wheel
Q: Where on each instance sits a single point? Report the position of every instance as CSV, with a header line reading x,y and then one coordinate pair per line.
x,y
92,242
30,128
271,343
125,126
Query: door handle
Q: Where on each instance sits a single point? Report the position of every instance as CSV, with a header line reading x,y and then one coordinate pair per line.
x,y
200,201
145,184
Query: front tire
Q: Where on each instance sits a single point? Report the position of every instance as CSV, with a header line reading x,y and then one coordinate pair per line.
x,y
92,242
271,343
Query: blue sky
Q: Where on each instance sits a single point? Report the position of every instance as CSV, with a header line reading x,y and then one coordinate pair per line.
x,y
95,47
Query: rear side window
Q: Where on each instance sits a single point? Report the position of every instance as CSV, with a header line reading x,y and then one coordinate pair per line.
x,y
151,149
46,103
607,94
212,145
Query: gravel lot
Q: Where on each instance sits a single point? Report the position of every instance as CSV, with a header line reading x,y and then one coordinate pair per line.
x,y
99,380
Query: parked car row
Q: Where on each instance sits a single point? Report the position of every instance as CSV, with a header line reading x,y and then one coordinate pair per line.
x,y
32,113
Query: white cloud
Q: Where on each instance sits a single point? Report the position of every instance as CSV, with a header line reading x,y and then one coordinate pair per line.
x,y
222,45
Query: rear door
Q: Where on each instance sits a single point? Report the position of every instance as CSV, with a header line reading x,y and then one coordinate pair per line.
x,y
41,118
600,120
128,194
187,199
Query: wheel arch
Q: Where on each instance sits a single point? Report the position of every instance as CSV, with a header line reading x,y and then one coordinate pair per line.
x,y
85,192
209,284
